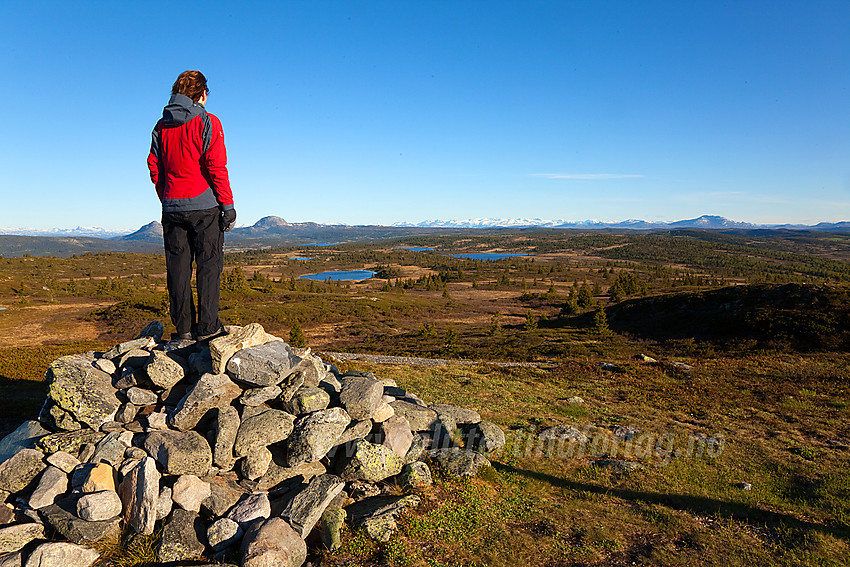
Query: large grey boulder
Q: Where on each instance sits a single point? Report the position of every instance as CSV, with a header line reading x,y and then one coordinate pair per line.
x,y
224,347
209,392
62,554
181,537
415,475
273,543
139,492
305,509
226,426
17,472
82,390
16,536
360,396
53,483
180,452
24,437
263,365
378,514
485,436
164,370
261,430
419,417
315,434
370,462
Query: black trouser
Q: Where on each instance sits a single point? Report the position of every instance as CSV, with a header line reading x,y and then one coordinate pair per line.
x,y
193,235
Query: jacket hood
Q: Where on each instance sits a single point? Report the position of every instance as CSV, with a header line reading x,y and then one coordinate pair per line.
x,y
180,110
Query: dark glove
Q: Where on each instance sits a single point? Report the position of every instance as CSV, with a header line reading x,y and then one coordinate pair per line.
x,y
227,219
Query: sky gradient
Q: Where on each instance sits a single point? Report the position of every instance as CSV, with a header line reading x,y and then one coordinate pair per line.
x,y
381,112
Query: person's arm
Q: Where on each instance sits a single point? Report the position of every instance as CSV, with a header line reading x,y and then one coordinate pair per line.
x,y
153,163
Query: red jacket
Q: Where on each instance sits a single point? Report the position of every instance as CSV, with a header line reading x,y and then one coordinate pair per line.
x,y
188,161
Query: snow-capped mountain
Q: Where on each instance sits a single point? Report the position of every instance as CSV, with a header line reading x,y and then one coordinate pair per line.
x,y
92,231
705,221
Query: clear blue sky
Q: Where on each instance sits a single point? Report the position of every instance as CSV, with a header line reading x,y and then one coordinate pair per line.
x,y
377,112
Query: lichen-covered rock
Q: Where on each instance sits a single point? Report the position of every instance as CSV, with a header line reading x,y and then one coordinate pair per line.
x,y
256,463
307,399
181,537
330,527
485,436
415,475
563,431
226,427
82,390
209,392
459,462
378,515
371,463
315,434
459,415
261,430
273,542
164,370
69,441
180,452
310,369
16,536
223,533
21,469
263,365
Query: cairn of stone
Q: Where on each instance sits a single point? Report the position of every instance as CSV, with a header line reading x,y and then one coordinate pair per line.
x,y
240,450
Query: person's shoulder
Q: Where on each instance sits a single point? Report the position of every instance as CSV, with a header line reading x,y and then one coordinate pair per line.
x,y
213,117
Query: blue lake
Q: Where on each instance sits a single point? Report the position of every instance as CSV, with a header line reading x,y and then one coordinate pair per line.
x,y
301,258
413,248
355,275
488,256
323,243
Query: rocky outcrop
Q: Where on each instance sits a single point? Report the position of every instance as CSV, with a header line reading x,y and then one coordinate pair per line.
x,y
239,446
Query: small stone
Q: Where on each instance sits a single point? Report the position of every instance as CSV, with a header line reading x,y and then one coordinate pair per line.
x,y
140,343
224,347
139,491
24,437
250,508
371,463
562,431
139,397
157,421
315,434
226,427
255,464
134,454
62,554
258,396
189,491
99,506
110,449
106,365
744,486
330,527
458,462
154,329
209,392
163,370
575,400
100,477
64,461
395,433
53,483
181,537
307,399
415,475
164,503
225,493
223,533
267,364
485,435
261,430
126,413
273,542
62,518
383,413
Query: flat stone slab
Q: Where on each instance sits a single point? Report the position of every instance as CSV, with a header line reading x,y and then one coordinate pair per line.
x,y
62,517
378,514
305,509
14,537
266,364
62,554
180,452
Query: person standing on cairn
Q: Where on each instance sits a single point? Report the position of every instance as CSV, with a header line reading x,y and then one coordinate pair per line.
x,y
188,166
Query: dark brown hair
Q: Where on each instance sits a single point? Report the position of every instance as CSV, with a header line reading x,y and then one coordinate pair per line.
x,y
190,83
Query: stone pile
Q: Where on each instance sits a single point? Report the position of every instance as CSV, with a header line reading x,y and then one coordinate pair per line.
x,y
238,450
